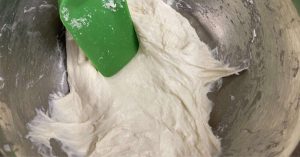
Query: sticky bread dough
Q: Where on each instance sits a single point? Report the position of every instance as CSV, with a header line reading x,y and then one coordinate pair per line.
x,y
157,106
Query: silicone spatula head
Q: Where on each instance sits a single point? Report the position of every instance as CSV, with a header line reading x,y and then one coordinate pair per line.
x,y
103,29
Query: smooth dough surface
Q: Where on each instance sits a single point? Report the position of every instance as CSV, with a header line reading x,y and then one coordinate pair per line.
x,y
157,106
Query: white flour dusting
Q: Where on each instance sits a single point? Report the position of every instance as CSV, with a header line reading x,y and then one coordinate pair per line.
x,y
79,23
113,5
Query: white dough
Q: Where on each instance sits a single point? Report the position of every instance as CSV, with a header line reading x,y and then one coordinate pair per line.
x,y
157,106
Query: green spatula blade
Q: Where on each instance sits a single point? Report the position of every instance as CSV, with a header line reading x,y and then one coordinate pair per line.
x,y
103,29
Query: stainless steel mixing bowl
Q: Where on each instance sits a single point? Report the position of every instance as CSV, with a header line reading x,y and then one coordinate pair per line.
x,y
256,114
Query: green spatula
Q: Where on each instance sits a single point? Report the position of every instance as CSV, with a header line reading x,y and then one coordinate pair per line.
x,y
103,29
